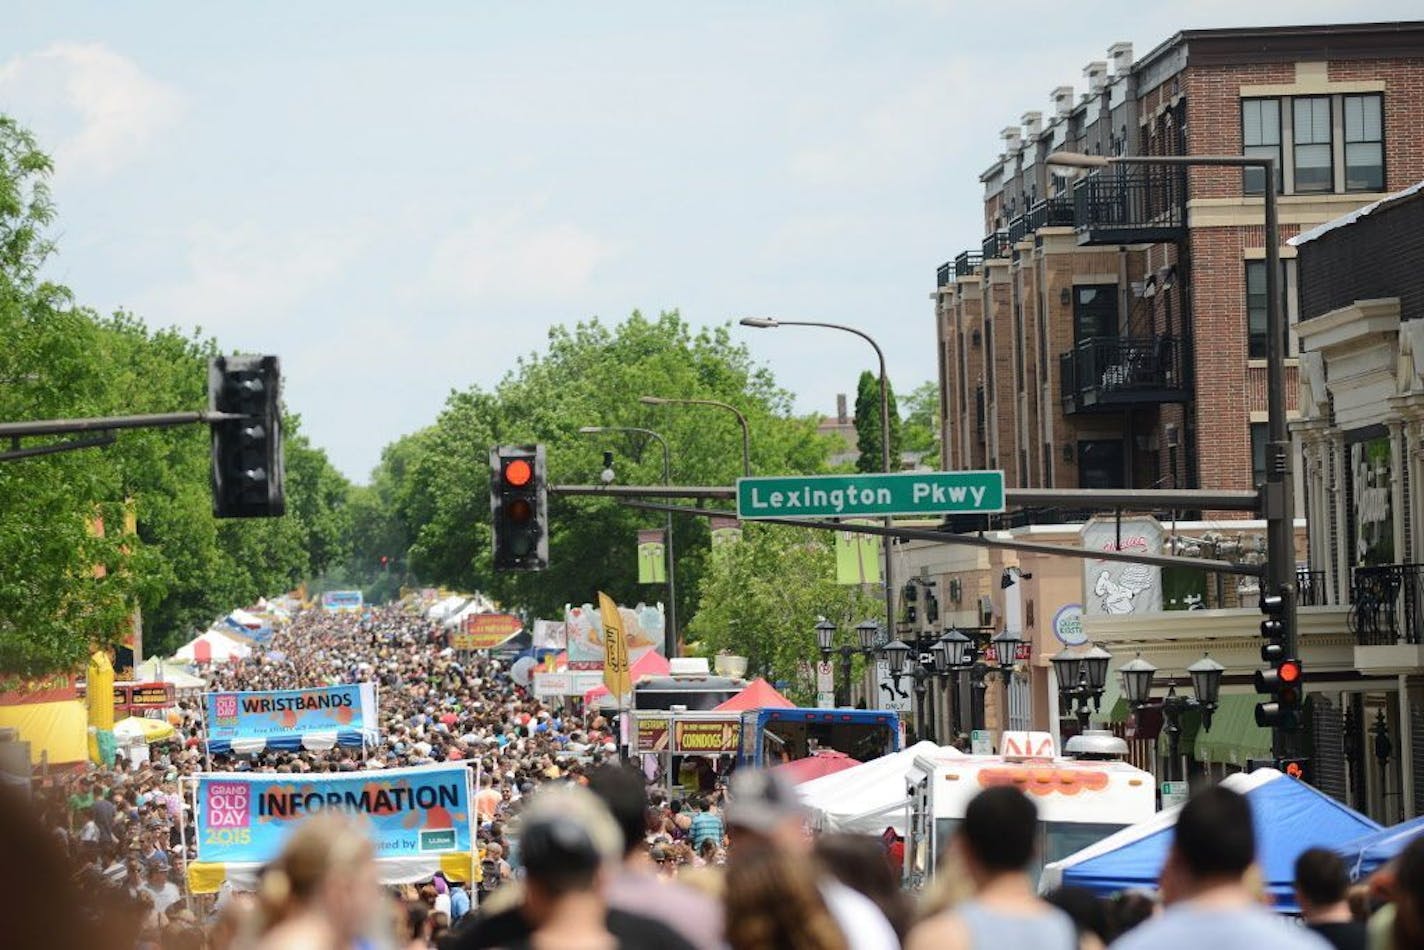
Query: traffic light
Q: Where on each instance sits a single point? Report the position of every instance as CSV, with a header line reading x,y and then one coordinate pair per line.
x,y
1284,680
910,594
519,508
1295,767
248,467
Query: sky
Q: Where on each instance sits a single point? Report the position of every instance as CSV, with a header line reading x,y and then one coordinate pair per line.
x,y
401,200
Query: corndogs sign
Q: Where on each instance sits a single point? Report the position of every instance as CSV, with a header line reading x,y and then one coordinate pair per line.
x,y
245,818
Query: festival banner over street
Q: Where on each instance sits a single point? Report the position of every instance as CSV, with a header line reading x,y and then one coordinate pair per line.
x,y
289,719
484,631
420,820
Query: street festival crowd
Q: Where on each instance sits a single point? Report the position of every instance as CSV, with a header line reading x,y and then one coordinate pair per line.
x,y
578,851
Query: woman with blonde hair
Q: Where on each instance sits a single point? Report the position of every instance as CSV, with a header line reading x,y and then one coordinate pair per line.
x,y
322,891
773,903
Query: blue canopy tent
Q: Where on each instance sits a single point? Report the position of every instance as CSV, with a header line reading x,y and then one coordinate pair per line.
x,y
1291,817
1365,854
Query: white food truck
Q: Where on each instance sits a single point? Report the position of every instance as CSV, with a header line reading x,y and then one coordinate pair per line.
x,y
1079,802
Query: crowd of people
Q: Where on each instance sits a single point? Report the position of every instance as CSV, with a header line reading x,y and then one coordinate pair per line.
x,y
578,850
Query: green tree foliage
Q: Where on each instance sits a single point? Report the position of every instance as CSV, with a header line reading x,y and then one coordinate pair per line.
x,y
921,422
183,568
761,597
867,425
436,481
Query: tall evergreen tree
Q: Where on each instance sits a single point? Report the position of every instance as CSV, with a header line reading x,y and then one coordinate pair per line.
x,y
867,425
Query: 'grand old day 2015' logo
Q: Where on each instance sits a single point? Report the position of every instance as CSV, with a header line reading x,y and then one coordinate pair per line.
x,y
229,805
225,708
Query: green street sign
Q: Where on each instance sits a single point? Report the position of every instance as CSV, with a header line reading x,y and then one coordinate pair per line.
x,y
896,493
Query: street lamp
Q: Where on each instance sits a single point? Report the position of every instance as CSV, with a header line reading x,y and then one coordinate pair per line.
x,y
767,323
741,420
1206,673
670,634
897,653
825,636
1081,678
866,632
1277,498
1006,649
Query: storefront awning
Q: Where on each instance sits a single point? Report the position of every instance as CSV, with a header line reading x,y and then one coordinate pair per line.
x,y
1234,735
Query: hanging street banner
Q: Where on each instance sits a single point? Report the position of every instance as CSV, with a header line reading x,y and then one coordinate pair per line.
x,y
484,631
857,558
652,556
895,493
616,668
290,719
642,626
724,530
245,818
342,601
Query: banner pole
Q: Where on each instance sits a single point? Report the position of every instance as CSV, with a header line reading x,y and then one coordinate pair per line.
x,y
203,715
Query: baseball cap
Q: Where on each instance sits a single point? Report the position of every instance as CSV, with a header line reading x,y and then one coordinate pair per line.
x,y
760,800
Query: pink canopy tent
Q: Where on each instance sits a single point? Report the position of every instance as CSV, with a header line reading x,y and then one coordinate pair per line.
x,y
824,762
758,694
651,663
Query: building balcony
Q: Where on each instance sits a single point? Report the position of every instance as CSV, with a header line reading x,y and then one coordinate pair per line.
x,y
968,264
1386,609
1113,373
1131,205
1051,213
1018,229
997,245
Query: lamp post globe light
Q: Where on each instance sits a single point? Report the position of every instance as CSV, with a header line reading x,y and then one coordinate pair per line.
x,y
1006,650
825,636
897,653
1137,676
867,632
1082,677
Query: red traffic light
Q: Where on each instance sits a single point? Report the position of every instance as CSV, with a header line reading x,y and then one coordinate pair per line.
x,y
1289,671
518,472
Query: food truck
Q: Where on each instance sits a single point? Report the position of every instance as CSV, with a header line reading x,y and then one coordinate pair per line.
x,y
1079,802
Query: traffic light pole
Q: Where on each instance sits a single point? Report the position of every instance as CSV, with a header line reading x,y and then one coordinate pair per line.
x,y
15,431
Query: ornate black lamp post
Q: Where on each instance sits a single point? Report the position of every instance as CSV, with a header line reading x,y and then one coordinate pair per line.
x,y
1206,673
866,633
1081,678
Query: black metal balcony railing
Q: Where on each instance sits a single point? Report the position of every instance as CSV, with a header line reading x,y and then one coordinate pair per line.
x,y
1112,372
1131,205
1310,588
1051,213
996,245
1386,604
944,274
1018,229
968,263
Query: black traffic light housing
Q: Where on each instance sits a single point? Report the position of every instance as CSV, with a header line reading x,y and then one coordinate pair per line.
x,y
248,466
1284,679
910,594
519,508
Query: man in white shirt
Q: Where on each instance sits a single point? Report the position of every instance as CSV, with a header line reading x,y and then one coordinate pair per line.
x,y
164,892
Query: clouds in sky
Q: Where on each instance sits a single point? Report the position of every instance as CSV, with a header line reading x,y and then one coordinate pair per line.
x,y
100,108
401,201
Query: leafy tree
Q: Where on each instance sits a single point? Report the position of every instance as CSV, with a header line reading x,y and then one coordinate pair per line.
x,y
867,425
591,374
921,422
761,597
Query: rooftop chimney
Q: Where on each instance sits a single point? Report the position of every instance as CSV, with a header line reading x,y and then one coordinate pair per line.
x,y
1032,124
1096,73
1012,139
841,416
1062,99
1121,56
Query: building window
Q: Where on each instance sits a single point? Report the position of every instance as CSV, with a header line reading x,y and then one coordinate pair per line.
x,y
1100,463
1258,453
1261,137
1094,312
1364,143
1314,168
1256,306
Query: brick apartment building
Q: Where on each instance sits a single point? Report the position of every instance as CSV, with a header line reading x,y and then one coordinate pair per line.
x,y
1110,329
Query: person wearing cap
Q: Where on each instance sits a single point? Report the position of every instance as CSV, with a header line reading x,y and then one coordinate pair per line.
x,y
568,842
163,891
763,814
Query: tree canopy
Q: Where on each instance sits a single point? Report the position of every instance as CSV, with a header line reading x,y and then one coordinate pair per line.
x,y
867,425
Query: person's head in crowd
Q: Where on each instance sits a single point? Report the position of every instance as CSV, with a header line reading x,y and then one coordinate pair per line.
x,y
623,791
1213,845
997,836
1089,913
857,861
324,881
1129,909
1322,885
1409,896
567,837
764,812
772,900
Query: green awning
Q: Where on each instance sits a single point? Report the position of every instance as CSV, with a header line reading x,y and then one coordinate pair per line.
x,y
1234,735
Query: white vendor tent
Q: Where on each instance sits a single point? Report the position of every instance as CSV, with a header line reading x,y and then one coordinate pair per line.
x,y
155,670
212,647
870,797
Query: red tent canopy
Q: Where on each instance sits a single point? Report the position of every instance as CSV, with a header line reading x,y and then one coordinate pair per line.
x,y
824,762
651,663
759,694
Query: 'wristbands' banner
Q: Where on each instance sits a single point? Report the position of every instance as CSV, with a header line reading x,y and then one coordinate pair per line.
x,y
281,718
245,818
